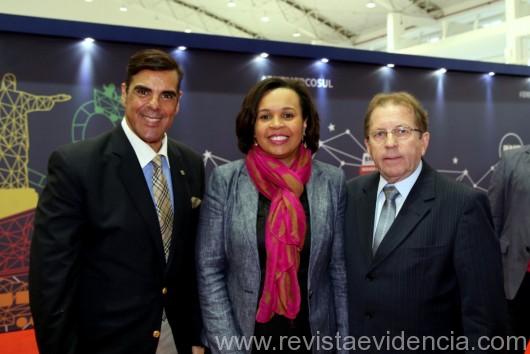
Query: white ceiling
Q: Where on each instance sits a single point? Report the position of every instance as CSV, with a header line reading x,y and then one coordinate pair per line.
x,y
487,30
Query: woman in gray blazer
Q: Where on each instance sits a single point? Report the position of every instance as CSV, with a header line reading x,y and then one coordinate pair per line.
x,y
270,246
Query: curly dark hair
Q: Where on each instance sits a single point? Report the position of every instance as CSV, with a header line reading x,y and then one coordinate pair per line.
x,y
246,118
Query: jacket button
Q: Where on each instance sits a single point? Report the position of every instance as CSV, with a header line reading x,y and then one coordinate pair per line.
x,y
164,290
156,334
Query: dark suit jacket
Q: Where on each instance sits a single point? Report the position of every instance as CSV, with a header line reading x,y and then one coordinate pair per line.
x,y
437,270
97,267
509,194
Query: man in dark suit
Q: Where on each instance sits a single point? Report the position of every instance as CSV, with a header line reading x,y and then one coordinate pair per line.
x,y
421,255
509,194
111,265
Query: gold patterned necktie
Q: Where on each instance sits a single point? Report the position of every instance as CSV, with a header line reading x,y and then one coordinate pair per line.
x,y
164,209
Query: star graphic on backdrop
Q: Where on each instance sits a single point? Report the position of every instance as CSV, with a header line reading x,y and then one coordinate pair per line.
x,y
331,127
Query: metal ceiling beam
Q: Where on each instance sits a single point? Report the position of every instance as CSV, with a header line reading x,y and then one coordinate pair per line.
x,y
223,20
322,20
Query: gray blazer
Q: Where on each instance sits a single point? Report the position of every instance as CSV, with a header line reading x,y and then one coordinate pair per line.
x,y
509,195
228,262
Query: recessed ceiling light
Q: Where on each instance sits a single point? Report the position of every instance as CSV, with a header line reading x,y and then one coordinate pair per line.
x,y
370,4
296,34
390,65
123,8
89,40
187,30
265,19
434,39
231,3
491,73
324,60
264,55
441,71
182,47
89,0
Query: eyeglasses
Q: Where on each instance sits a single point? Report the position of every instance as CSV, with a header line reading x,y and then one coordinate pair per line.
x,y
400,133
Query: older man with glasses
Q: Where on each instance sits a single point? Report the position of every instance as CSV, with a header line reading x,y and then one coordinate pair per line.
x,y
423,262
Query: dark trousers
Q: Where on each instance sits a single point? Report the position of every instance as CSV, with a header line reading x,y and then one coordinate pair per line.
x,y
519,310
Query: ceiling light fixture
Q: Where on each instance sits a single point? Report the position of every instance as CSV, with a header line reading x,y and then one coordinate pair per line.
x,y
296,34
182,48
264,55
187,30
123,8
390,65
89,40
441,71
231,3
370,4
324,60
491,73
265,19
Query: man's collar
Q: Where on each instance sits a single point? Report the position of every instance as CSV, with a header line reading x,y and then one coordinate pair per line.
x,y
405,185
144,152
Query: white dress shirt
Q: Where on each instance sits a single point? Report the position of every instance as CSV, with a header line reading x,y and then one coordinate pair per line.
x,y
145,154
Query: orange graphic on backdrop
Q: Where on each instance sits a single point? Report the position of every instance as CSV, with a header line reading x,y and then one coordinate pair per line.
x,y
15,232
17,199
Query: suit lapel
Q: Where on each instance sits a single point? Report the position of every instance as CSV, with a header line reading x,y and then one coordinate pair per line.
x,y
527,155
133,179
417,205
316,193
247,211
366,216
181,197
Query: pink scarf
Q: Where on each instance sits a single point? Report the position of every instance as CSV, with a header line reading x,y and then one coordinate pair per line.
x,y
284,231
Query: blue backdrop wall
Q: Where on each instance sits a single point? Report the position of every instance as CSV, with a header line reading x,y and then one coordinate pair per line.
x,y
57,89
